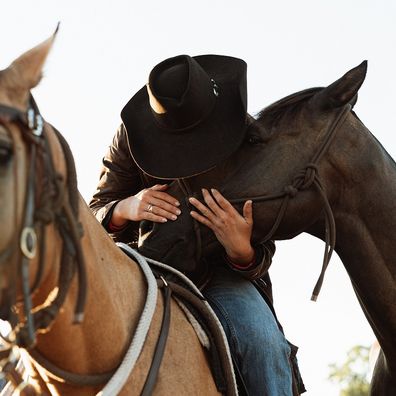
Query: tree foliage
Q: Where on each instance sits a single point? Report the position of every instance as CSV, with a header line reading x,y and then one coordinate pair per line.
x,y
352,376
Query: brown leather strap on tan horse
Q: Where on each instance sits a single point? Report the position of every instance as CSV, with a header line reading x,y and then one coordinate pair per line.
x,y
60,375
151,379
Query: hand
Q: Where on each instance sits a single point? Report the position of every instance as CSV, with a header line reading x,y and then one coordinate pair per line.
x,y
231,229
152,204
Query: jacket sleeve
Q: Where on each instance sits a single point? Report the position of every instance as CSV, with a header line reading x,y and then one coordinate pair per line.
x,y
119,179
263,260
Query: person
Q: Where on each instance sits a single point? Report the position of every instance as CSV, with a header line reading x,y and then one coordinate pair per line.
x,y
188,118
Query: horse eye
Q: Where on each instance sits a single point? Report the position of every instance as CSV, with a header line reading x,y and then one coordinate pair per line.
x,y
5,154
252,139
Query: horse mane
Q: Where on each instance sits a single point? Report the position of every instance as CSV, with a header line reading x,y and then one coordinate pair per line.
x,y
287,105
291,104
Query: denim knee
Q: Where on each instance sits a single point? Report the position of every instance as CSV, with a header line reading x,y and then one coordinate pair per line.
x,y
256,342
250,331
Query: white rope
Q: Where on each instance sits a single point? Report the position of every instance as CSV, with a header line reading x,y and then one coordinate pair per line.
x,y
199,331
118,380
196,290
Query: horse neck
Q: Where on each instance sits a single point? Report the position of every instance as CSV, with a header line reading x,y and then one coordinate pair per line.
x,y
115,293
364,206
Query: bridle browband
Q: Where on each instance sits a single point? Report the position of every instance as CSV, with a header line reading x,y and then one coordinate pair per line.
x,y
50,203
303,180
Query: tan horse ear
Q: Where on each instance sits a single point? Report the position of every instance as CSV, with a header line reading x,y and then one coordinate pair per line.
x,y
27,69
342,91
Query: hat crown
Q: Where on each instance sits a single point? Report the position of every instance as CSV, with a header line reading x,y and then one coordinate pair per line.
x,y
171,82
184,90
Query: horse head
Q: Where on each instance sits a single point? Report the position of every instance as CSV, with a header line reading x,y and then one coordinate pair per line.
x,y
33,199
15,84
283,165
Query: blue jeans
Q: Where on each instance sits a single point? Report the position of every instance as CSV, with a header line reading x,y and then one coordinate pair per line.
x,y
258,346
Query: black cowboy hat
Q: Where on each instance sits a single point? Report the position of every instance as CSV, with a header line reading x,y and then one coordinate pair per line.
x,y
189,117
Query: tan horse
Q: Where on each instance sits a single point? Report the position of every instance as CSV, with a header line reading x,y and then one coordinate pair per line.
x,y
115,284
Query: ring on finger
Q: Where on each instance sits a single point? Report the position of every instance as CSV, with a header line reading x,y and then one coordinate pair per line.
x,y
149,208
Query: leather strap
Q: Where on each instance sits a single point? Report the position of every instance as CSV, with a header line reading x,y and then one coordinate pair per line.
x,y
11,114
161,342
242,388
61,375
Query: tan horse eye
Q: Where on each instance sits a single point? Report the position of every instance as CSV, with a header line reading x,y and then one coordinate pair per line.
x,y
5,154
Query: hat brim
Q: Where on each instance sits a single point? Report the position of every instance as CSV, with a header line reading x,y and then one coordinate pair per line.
x,y
173,154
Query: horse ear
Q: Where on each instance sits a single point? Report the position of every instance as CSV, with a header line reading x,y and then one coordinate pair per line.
x,y
342,91
27,69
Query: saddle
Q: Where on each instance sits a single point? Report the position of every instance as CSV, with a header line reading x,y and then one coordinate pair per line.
x,y
203,319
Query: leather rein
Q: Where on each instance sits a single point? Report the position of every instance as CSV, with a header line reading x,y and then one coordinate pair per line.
x,y
303,180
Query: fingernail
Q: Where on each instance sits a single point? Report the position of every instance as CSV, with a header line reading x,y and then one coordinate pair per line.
x,y
178,211
213,190
204,190
174,217
177,203
191,199
164,220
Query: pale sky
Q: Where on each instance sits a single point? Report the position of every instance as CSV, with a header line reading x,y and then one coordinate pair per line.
x,y
105,50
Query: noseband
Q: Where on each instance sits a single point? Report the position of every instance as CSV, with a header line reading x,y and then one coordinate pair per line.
x,y
53,205
303,180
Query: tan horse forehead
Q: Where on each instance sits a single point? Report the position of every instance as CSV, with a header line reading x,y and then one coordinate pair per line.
x,y
11,92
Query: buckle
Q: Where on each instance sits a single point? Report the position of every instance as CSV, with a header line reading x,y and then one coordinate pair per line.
x,y
35,122
215,87
30,118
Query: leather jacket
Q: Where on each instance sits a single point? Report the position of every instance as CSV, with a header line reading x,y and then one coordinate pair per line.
x,y
120,178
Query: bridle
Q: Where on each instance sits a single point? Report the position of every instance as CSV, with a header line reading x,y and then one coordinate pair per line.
x,y
303,180
61,208
49,204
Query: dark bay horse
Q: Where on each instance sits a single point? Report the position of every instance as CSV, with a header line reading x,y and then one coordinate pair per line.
x,y
42,290
310,165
